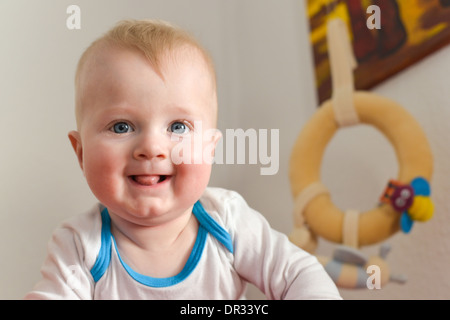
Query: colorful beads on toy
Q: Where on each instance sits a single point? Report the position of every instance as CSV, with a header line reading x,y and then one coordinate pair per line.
x,y
421,209
390,189
402,198
406,222
413,201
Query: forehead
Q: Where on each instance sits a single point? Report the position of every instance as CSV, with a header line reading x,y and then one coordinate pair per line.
x,y
112,71
105,55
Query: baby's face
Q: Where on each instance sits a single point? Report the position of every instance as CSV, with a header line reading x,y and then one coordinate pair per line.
x,y
145,143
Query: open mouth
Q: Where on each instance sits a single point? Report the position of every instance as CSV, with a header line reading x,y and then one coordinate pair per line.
x,y
148,180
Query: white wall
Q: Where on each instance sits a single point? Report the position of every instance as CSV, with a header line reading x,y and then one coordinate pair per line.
x,y
266,81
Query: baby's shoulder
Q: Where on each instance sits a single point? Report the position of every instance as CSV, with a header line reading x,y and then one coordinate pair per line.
x,y
83,229
86,223
218,195
223,205
220,199
80,234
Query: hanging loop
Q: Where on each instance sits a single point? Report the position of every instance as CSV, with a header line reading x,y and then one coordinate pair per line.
x,y
342,64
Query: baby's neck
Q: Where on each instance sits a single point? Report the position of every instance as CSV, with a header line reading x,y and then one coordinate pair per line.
x,y
157,251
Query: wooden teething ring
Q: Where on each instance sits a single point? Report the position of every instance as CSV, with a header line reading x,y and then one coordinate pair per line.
x,y
413,153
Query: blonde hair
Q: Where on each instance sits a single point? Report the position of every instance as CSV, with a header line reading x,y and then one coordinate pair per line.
x,y
154,38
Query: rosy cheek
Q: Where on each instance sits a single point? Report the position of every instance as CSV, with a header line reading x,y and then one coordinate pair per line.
x,y
100,167
97,176
193,177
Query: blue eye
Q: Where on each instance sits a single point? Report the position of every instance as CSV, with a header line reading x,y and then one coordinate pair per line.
x,y
179,128
121,127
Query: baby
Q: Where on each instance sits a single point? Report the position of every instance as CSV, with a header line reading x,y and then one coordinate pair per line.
x,y
143,90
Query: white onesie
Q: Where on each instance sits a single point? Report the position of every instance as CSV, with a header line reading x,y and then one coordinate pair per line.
x,y
234,245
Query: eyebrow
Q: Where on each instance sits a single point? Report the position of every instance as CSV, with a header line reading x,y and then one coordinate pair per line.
x,y
125,109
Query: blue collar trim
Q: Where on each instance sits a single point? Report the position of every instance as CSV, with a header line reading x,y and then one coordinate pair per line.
x,y
206,225
212,226
104,255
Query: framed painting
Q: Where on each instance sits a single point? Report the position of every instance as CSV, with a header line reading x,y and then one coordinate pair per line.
x,y
387,36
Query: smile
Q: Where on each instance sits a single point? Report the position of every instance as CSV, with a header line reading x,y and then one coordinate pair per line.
x,y
148,180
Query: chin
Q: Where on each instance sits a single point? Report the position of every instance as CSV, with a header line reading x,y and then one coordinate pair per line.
x,y
147,214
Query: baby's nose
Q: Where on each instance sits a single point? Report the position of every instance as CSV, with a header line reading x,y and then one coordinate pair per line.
x,y
150,146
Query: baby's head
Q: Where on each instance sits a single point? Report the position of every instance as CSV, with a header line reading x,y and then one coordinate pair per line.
x,y
160,42
146,109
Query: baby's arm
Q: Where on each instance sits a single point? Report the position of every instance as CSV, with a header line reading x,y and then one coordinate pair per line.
x,y
64,274
270,261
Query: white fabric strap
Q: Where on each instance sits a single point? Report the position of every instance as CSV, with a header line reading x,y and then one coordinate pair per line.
x,y
304,197
342,64
350,228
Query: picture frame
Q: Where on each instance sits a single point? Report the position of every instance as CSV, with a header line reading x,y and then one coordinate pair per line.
x,y
387,36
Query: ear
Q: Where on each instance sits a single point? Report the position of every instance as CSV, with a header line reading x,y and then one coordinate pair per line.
x,y
75,140
216,137
217,134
